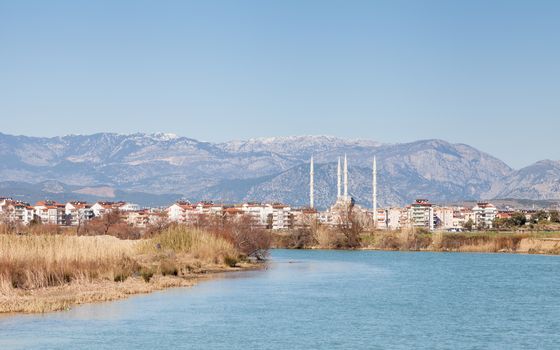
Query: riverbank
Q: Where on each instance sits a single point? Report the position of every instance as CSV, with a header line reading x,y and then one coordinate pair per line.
x,y
483,242
63,297
401,300
479,242
53,272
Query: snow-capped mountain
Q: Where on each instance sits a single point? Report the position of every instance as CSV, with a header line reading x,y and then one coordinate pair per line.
x,y
266,169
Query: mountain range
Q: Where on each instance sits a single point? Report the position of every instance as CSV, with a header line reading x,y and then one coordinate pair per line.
x,y
154,169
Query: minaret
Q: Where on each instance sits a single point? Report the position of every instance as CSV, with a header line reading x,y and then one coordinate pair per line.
x,y
345,178
311,185
339,182
374,191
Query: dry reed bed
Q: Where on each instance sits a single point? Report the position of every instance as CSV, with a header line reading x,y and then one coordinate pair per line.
x,y
464,242
80,292
50,272
194,243
30,262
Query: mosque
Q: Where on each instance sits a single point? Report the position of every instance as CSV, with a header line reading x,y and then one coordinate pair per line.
x,y
344,202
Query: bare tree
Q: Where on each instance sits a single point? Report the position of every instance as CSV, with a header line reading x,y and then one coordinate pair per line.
x,y
110,219
157,224
101,225
248,237
80,220
6,220
303,237
351,226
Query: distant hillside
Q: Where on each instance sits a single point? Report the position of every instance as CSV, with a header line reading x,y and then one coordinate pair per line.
x,y
157,167
539,181
57,191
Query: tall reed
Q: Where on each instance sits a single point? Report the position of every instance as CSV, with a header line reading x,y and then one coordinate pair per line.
x,y
36,261
29,262
196,243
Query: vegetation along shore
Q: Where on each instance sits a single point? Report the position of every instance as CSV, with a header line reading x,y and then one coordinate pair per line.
x,y
45,268
525,242
50,271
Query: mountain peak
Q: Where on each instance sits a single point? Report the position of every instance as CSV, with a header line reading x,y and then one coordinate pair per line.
x,y
268,168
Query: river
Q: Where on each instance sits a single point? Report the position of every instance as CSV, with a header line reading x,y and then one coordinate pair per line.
x,y
326,300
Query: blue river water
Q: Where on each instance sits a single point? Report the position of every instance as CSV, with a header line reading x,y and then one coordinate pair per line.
x,y
326,300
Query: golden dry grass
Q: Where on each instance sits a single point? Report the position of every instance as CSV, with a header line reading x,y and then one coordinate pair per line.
x,y
41,273
483,242
30,262
195,243
80,292
325,238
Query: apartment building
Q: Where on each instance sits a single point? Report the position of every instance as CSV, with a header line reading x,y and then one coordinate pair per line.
x,y
16,211
484,214
421,214
397,218
282,217
50,212
261,214
77,212
443,217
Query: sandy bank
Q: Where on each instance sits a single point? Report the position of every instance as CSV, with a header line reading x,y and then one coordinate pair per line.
x,y
539,246
63,297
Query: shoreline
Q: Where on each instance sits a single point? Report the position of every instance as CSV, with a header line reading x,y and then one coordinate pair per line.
x,y
452,251
64,297
449,243
44,273
373,249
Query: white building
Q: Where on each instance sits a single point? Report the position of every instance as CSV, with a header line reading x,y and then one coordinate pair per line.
x,y
304,217
176,212
259,213
3,202
484,214
16,211
101,208
23,212
77,212
444,218
397,218
144,218
381,218
281,217
208,208
50,212
421,214
129,207
184,212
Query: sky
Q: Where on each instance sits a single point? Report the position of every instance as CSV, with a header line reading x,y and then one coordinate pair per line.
x,y
484,73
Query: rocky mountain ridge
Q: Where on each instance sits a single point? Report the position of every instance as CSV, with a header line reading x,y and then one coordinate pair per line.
x,y
266,169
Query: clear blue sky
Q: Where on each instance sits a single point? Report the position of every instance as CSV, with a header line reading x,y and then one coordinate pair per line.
x,y
486,73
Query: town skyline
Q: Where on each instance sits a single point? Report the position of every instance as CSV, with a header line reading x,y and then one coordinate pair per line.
x,y
419,214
